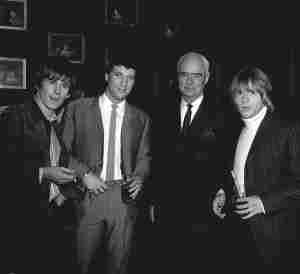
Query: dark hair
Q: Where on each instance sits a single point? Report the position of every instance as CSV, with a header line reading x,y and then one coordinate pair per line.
x,y
125,57
256,79
53,65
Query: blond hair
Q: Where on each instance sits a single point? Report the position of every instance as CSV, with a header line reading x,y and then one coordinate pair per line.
x,y
256,80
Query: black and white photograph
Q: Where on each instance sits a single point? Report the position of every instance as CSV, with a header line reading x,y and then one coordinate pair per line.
x,y
118,12
68,45
12,73
149,137
13,14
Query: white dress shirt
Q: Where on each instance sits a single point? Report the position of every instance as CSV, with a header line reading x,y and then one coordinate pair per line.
x,y
243,147
105,106
184,107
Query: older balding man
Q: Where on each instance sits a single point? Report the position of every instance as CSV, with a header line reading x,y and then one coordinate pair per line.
x,y
191,166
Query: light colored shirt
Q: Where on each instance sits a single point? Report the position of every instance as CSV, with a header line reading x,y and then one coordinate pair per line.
x,y
105,106
243,147
184,107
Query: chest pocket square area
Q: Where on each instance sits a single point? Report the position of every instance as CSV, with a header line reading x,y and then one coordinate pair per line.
x,y
208,134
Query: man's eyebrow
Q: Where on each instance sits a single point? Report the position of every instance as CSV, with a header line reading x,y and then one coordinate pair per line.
x,y
190,72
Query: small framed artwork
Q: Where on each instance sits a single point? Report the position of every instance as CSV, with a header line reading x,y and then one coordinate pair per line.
x,y
12,73
3,108
69,45
13,14
120,12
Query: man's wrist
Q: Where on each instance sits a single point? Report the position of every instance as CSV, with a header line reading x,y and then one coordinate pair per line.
x,y
262,206
41,174
86,173
85,177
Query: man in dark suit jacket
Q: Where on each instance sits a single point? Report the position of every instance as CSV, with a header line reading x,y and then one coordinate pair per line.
x,y
265,177
106,217
34,164
189,167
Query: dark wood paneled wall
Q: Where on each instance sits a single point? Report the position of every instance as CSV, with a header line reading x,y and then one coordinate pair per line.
x,y
231,37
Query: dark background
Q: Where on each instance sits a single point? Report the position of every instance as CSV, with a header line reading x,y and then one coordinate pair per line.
x,y
231,36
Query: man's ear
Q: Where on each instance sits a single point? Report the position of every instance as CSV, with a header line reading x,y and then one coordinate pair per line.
x,y
106,77
206,78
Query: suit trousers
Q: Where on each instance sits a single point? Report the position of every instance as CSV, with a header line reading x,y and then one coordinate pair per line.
x,y
105,244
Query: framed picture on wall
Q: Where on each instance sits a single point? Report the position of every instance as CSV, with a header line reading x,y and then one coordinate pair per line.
x,y
12,73
3,108
120,12
13,14
69,45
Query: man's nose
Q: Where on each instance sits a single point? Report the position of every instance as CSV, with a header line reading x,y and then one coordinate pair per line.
x,y
244,98
124,81
190,79
58,87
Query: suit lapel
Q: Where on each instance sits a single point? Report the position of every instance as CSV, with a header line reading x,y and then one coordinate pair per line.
x,y
175,113
96,114
260,138
200,116
37,127
95,118
201,119
126,137
177,120
261,134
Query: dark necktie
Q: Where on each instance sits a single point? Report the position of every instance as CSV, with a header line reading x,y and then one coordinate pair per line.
x,y
187,120
111,144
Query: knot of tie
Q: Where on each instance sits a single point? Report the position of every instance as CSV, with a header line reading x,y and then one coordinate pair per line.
x,y
114,106
54,122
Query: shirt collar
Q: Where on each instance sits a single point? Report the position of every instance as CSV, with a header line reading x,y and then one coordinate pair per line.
x,y
256,120
105,102
48,114
195,103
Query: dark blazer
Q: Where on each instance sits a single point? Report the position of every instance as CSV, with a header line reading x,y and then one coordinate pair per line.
x,y
83,136
25,143
272,172
190,167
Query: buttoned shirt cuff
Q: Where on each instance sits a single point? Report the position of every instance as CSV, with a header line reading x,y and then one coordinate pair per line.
x,y
54,191
262,206
41,173
87,172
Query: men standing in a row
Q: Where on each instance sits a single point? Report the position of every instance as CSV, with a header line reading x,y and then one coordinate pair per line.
x,y
265,177
189,167
109,139
38,185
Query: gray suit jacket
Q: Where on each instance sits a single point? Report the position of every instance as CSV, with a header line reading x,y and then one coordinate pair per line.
x,y
83,137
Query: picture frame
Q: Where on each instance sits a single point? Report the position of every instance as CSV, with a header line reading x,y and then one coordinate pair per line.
x,y
3,108
69,45
120,12
13,73
13,14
